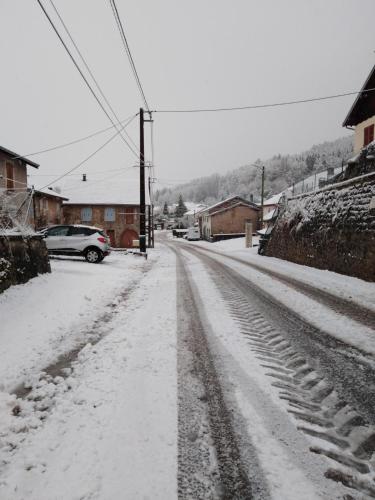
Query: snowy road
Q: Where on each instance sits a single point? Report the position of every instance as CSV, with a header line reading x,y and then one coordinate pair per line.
x,y
196,374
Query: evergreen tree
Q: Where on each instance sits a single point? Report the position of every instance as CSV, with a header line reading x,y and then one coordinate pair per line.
x,y
181,208
165,209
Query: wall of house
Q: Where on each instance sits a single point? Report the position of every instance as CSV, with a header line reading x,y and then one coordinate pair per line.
x,y
72,214
12,199
21,259
330,229
47,211
359,133
233,220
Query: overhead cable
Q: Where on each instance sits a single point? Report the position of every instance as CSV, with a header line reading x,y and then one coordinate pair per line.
x,y
89,70
85,160
259,106
128,52
76,141
82,75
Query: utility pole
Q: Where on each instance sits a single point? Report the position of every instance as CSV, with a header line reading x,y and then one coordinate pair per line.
x,y
142,204
262,201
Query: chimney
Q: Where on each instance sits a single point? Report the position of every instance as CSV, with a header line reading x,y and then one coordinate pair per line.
x,y
84,177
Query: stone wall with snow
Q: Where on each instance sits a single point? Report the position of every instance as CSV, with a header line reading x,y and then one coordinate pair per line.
x,y
332,229
21,258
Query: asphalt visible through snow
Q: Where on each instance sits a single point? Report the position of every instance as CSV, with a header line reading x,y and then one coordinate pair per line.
x,y
328,385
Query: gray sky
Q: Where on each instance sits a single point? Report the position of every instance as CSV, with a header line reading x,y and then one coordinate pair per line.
x,y
196,53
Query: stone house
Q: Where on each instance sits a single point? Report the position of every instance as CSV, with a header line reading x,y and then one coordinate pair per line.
x,y
15,200
227,218
361,116
115,210
47,208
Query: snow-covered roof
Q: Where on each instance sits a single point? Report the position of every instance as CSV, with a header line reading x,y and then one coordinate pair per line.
x,y
223,202
240,203
50,192
270,215
123,190
274,200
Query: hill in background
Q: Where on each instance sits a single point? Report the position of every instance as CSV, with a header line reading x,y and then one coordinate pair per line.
x,y
282,171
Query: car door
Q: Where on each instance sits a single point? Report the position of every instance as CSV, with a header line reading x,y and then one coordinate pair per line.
x,y
56,237
79,237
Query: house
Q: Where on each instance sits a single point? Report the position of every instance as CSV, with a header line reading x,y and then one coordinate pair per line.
x,y
269,207
227,218
47,207
191,216
15,200
113,208
362,115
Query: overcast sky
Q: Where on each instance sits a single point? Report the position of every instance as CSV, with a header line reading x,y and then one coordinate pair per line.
x,y
189,54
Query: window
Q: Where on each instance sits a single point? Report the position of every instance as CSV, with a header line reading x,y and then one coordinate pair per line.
x,y
86,214
129,215
109,214
58,231
9,176
368,134
81,231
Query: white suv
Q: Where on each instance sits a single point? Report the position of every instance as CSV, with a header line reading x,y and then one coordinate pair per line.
x,y
88,241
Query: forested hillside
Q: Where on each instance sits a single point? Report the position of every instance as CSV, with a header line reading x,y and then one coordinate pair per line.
x,y
281,171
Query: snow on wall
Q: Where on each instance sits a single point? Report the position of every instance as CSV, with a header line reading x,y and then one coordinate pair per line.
x,y
330,229
21,259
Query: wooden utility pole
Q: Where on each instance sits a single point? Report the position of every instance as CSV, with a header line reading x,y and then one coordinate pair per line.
x,y
142,204
262,214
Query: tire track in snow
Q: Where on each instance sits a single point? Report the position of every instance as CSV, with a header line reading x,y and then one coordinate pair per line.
x,y
210,462
338,304
340,432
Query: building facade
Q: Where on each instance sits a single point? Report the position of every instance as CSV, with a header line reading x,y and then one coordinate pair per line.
x,y
15,199
120,222
47,208
361,116
228,218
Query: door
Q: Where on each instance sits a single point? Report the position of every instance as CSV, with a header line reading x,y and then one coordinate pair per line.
x,y
56,237
111,236
127,238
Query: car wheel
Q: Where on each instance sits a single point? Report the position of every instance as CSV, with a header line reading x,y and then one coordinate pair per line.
x,y
93,256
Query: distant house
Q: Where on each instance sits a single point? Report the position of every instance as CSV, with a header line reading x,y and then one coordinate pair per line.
x,y
362,115
191,216
14,197
47,207
227,218
96,204
269,207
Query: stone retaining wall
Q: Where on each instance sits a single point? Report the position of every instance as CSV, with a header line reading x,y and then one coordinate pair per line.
x,y
21,258
332,229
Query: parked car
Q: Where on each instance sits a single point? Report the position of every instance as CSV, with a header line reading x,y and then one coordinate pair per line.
x,y
87,241
193,234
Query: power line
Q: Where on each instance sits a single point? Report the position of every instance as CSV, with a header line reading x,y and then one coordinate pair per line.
x,y
89,70
86,159
76,141
128,52
81,73
259,106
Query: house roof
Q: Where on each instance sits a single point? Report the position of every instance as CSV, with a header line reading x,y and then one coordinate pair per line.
x,y
229,207
50,192
95,191
228,202
274,200
364,105
18,157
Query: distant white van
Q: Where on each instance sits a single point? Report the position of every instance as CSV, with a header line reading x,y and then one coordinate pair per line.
x,y
193,234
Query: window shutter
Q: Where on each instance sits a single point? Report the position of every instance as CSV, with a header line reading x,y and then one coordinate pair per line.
x,y
86,214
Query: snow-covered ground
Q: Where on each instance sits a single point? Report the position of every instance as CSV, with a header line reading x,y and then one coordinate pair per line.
x,y
347,287
112,424
337,325
54,312
108,428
